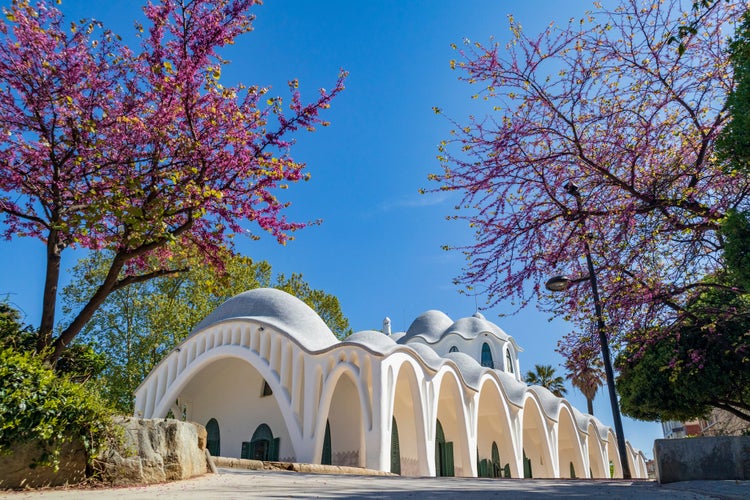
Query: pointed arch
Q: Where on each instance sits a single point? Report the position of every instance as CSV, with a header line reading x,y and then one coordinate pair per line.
x,y
343,410
613,455
596,454
243,374
408,411
536,440
451,412
494,426
569,450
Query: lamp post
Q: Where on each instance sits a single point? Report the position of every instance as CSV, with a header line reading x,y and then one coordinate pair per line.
x,y
561,283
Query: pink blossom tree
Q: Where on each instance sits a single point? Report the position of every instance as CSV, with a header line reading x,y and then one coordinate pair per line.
x,y
141,152
608,104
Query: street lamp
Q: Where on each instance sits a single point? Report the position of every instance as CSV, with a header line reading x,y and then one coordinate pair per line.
x,y
562,283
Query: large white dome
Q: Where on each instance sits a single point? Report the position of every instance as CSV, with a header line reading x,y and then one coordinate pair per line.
x,y
278,309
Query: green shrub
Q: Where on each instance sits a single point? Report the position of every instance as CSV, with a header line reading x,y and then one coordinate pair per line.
x,y
38,404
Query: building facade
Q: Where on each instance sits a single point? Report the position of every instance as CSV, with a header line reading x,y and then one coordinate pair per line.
x,y
270,381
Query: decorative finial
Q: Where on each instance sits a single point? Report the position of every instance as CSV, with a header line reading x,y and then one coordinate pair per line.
x,y
387,325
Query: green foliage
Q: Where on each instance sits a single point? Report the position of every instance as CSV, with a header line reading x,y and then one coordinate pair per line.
x,y
36,404
80,362
544,375
733,144
138,325
12,332
699,363
736,232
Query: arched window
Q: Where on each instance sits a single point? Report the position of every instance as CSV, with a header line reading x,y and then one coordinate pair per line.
x,y
453,349
508,361
487,356
213,438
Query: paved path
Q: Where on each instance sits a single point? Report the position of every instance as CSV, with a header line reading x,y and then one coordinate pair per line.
x,y
272,485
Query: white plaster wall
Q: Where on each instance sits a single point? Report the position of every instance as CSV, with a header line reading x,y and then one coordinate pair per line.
x,y
408,413
345,417
536,441
229,390
569,448
493,424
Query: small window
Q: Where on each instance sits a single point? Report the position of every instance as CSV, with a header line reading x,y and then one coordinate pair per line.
x,y
487,356
266,389
453,349
508,361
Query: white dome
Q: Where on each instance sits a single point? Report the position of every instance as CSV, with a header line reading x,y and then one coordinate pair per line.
x,y
279,310
473,326
429,325
374,340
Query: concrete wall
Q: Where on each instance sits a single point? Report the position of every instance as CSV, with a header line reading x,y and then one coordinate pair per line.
x,y
687,459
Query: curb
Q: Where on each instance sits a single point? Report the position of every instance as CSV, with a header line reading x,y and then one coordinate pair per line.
x,y
247,464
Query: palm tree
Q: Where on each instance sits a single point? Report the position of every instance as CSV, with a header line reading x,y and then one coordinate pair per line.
x,y
544,375
587,377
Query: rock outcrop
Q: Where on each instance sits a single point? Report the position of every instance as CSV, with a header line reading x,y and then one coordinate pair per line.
x,y
154,451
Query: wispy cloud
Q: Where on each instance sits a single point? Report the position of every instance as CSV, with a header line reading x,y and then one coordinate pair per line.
x,y
419,201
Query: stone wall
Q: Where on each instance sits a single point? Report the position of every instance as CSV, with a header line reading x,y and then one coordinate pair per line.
x,y
702,458
16,469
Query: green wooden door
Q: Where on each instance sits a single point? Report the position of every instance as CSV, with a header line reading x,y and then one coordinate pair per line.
x,y
325,459
447,459
262,444
273,450
213,438
527,473
495,461
395,451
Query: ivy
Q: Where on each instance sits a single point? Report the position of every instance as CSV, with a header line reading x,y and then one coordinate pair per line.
x,y
36,404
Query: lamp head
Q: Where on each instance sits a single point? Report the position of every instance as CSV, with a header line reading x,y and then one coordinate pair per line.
x,y
558,283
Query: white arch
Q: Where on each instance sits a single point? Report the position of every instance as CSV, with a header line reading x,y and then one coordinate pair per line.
x,y
596,453
163,406
491,392
532,409
463,455
405,372
569,449
324,407
613,454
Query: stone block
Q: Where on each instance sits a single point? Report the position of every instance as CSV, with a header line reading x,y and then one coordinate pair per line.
x,y
702,458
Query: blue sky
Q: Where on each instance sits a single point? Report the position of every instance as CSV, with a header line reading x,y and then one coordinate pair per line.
x,y
379,246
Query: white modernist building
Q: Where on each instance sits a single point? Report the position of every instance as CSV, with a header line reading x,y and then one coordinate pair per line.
x,y
270,381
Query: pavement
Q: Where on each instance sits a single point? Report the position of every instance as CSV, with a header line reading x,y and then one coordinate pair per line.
x,y
232,483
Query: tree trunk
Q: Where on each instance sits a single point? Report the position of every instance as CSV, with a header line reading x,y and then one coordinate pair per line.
x,y
86,313
590,405
49,297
